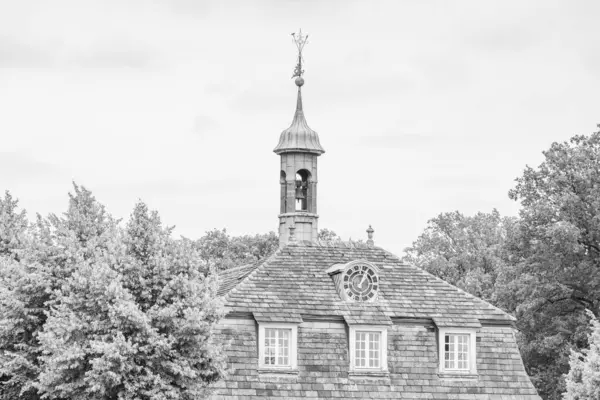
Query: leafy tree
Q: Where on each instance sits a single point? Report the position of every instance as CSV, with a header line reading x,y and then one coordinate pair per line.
x,y
225,251
583,379
560,253
24,292
468,252
13,226
28,289
328,235
95,311
561,219
134,323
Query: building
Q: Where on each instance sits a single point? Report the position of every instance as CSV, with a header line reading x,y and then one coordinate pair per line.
x,y
321,320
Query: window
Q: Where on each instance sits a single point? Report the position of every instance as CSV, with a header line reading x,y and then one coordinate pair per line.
x,y
457,350
368,348
277,346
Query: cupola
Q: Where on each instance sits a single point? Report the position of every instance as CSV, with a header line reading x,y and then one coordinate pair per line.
x,y
298,149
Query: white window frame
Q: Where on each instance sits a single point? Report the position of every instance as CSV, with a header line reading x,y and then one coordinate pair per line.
x,y
472,333
293,345
382,330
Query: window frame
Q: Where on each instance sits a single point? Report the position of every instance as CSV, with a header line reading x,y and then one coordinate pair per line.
x,y
472,356
382,331
292,345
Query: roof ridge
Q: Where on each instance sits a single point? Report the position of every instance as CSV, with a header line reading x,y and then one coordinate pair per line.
x,y
239,267
347,244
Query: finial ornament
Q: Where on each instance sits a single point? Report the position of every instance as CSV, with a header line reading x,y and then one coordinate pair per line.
x,y
300,40
370,241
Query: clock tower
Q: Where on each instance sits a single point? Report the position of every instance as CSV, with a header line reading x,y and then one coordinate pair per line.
x,y
299,148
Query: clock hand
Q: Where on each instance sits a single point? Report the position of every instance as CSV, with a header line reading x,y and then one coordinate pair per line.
x,y
362,280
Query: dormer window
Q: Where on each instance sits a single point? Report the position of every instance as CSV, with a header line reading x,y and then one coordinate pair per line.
x,y
368,348
457,351
277,346
302,178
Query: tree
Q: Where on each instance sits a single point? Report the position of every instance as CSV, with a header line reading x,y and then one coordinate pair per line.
x,y
225,251
13,226
583,379
560,257
468,252
134,323
328,235
95,311
29,287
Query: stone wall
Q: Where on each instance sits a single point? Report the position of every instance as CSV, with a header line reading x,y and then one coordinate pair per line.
x,y
323,366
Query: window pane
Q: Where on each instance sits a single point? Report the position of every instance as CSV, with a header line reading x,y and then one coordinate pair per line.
x,y
360,349
456,352
277,349
367,349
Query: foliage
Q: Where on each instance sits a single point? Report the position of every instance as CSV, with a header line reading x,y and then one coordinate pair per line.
x,y
328,235
560,231
560,217
226,251
96,311
13,226
468,252
218,247
543,267
583,379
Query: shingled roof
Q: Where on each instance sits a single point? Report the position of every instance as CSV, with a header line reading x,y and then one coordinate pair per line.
x,y
294,282
229,278
293,286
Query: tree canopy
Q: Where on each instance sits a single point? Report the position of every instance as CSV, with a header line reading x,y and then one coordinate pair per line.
x,y
583,379
543,267
91,310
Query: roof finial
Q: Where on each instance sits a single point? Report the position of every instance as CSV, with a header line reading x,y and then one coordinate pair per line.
x,y
300,40
370,241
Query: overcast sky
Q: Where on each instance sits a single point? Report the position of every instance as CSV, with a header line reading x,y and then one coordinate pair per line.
x,y
422,106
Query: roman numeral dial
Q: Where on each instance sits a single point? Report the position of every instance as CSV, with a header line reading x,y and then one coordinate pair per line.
x,y
361,283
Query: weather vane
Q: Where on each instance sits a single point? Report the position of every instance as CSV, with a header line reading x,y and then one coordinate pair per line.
x,y
300,41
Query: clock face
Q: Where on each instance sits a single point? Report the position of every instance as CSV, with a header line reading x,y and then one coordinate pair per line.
x,y
361,282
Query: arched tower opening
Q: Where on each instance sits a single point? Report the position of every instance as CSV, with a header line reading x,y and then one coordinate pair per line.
x,y
302,190
283,190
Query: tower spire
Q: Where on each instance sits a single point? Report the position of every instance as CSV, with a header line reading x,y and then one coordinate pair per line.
x,y
299,136
299,148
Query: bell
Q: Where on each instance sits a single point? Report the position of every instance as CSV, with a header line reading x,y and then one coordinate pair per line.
x,y
300,193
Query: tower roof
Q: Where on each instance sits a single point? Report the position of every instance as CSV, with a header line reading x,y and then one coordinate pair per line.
x,y
299,136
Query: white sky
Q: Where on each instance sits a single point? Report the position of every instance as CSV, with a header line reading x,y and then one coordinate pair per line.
x,y
422,106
